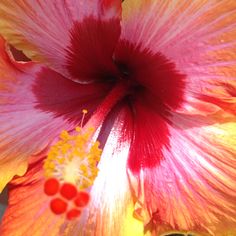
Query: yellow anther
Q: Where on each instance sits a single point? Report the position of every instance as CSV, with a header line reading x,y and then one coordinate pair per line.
x,y
83,167
78,129
84,111
64,135
61,160
74,158
51,165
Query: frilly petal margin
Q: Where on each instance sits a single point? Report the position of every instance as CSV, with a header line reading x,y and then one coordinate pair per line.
x,y
42,29
110,211
36,104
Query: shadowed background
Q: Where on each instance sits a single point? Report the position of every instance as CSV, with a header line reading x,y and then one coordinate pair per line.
x,y
3,203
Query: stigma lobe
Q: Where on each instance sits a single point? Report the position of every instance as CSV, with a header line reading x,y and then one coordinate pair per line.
x,y
68,191
51,186
66,199
82,199
72,214
58,206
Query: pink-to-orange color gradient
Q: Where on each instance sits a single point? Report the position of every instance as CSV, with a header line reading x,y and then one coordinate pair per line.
x,y
122,121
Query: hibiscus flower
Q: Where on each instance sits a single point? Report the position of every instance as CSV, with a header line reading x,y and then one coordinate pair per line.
x,y
123,121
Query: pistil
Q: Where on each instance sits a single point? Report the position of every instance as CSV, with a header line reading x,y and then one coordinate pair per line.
x,y
116,94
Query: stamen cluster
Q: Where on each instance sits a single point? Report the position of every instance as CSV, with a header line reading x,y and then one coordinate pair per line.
x,y
70,167
74,158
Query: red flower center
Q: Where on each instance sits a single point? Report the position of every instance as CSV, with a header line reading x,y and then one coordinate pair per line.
x,y
153,83
97,54
99,61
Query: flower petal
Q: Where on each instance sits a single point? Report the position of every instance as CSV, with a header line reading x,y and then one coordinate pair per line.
x,y
28,212
43,29
199,37
91,49
191,184
36,103
110,209
150,136
193,187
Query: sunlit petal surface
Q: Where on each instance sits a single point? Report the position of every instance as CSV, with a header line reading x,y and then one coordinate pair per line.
x,y
110,211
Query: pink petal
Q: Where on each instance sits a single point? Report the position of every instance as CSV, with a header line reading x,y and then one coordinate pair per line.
x,y
198,37
110,204
43,29
190,182
193,186
91,49
36,104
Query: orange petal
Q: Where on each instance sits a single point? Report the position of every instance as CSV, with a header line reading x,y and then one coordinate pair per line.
x,y
28,211
10,169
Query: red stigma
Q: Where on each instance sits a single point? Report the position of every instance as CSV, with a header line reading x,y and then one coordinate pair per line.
x,y
68,191
71,201
51,186
82,199
72,214
58,206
